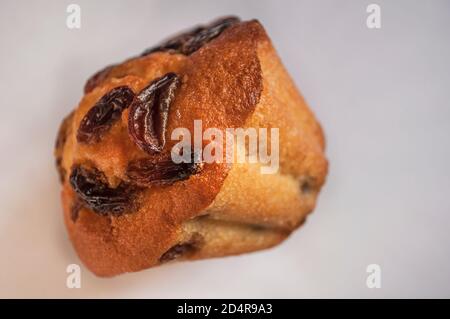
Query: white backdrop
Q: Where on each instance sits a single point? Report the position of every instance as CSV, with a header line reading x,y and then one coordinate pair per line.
x,y
382,97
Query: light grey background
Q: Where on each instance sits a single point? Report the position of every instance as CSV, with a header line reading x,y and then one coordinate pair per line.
x,y
382,97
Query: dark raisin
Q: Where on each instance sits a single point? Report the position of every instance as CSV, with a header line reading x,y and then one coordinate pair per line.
x,y
61,139
307,185
93,190
192,40
103,114
207,34
183,249
149,113
97,78
75,209
148,171
174,44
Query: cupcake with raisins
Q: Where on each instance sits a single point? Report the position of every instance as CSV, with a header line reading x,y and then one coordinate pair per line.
x,y
128,206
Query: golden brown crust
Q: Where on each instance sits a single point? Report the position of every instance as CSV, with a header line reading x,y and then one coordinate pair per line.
x,y
236,80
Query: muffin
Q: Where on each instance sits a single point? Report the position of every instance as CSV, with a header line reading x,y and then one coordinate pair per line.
x,y
128,206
